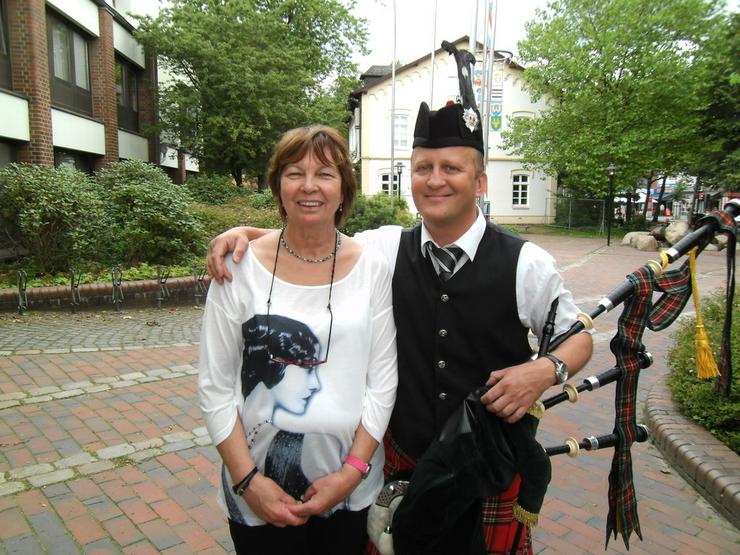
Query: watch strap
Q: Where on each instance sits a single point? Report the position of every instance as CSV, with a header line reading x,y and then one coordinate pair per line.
x,y
561,369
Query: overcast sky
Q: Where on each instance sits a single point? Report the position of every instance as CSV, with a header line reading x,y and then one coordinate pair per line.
x,y
414,25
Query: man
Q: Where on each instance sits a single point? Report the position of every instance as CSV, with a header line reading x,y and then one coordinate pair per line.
x,y
465,293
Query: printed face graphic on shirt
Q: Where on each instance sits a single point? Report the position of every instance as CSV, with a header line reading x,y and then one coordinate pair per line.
x,y
282,355
294,391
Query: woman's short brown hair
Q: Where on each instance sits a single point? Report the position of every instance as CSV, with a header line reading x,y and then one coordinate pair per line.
x,y
327,146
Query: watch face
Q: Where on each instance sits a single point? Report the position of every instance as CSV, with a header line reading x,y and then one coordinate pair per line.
x,y
561,371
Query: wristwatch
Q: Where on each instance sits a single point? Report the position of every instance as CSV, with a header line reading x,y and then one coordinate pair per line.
x,y
359,464
561,369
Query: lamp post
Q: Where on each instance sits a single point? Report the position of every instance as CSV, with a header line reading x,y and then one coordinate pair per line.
x,y
399,171
611,170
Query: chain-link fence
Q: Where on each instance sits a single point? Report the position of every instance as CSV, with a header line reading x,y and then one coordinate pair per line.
x,y
579,213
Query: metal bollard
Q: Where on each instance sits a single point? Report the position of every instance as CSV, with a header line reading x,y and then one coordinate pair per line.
x,y
199,284
117,296
164,293
22,298
74,283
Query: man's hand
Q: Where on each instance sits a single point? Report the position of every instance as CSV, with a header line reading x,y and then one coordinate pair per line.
x,y
514,389
234,239
327,492
270,503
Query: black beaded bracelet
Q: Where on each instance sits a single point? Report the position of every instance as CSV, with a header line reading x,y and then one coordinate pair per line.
x,y
242,486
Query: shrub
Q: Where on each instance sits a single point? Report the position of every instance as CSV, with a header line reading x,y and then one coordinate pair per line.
x,y
55,214
211,188
216,219
260,201
696,399
150,217
374,211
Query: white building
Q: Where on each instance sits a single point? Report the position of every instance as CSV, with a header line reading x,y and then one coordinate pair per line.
x,y
516,195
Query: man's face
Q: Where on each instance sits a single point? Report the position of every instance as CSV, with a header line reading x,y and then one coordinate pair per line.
x,y
445,183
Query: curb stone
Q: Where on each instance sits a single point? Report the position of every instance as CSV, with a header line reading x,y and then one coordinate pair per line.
x,y
711,467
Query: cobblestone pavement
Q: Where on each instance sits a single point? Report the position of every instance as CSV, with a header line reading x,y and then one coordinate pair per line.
x,y
102,448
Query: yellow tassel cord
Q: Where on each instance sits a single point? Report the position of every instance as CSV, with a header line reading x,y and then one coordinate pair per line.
x,y
706,367
524,516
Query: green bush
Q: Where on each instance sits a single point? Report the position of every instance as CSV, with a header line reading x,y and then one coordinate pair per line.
x,y
696,399
637,223
55,214
261,201
211,188
375,211
150,217
215,219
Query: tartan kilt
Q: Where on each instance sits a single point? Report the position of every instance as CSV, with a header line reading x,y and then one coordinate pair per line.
x,y
499,525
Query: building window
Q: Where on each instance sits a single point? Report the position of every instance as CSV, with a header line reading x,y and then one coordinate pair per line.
x,y
5,77
401,131
520,190
8,153
69,66
385,180
127,90
70,158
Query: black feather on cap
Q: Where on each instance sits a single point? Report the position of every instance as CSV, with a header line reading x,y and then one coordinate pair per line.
x,y
455,124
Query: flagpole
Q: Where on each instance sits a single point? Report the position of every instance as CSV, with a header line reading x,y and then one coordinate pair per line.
x,y
393,108
474,29
489,78
434,50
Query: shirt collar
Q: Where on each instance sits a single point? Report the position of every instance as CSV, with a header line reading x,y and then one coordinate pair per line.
x,y
468,241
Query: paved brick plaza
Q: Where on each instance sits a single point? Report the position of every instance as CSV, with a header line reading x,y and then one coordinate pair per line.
x,y
102,449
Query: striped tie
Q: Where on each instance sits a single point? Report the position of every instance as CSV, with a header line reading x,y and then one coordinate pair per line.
x,y
447,258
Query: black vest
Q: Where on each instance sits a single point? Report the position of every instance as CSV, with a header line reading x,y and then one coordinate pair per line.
x,y
452,334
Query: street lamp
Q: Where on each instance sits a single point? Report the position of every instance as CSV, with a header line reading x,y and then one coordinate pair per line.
x,y
611,170
399,171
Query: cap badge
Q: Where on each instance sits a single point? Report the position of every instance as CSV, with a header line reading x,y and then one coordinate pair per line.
x,y
470,119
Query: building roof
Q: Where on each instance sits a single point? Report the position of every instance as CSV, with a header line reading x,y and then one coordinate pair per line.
x,y
377,74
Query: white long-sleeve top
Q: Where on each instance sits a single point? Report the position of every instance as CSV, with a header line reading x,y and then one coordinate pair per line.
x,y
538,281
356,385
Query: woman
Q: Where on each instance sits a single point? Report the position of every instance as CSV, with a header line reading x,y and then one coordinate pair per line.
x,y
298,365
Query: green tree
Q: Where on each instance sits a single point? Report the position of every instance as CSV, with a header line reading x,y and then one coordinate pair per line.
x,y
718,161
622,86
245,71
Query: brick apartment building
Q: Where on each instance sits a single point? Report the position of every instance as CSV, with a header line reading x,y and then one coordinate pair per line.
x,y
77,88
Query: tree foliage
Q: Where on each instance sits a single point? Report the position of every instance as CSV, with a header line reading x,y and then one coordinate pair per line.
x,y
623,85
245,71
719,163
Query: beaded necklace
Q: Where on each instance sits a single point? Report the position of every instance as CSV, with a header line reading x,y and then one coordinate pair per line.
x,y
338,243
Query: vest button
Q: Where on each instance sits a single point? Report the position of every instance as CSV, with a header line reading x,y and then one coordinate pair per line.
x,y
441,364
442,396
445,297
442,333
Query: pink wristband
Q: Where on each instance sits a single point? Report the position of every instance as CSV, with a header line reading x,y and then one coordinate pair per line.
x,y
359,464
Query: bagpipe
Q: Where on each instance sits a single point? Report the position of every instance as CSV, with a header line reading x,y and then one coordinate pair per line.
x,y
639,313
477,455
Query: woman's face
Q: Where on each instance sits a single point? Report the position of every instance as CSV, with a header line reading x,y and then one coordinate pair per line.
x,y
295,390
310,191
